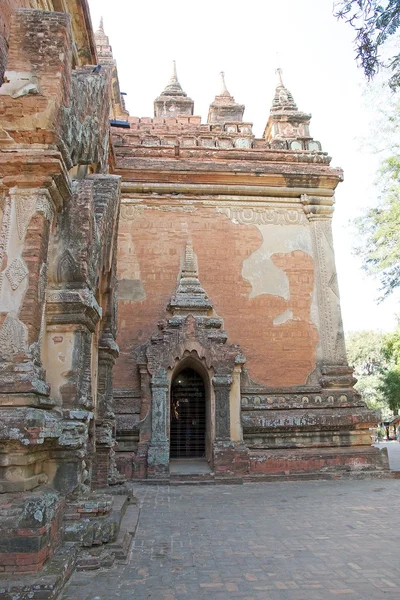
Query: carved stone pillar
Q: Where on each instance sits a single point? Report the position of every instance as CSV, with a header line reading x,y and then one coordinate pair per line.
x,y
236,400
231,457
72,317
24,243
104,468
158,455
222,386
331,352
145,422
24,393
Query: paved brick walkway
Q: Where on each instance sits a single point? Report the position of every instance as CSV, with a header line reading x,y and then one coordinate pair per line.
x,y
261,541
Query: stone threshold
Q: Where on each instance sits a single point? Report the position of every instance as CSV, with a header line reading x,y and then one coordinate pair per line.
x,y
278,477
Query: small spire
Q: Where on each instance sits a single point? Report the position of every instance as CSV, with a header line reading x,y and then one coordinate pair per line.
x,y
189,268
190,297
100,28
173,101
279,73
224,108
174,76
224,89
283,99
173,87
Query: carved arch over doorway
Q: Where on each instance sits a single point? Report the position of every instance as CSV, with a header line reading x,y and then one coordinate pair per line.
x,y
191,333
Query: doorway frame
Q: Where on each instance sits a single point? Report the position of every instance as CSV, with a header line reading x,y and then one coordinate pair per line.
x,y
192,361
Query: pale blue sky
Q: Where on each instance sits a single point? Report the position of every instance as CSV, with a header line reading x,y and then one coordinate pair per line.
x,y
247,40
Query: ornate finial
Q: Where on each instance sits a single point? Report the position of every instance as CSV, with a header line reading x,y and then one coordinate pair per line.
x,y
224,108
173,87
101,26
174,76
283,99
224,89
279,73
190,262
189,297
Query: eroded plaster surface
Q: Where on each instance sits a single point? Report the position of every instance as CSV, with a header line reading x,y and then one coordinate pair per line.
x,y
259,269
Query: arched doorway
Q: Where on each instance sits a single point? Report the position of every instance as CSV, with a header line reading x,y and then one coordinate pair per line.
x,y
188,415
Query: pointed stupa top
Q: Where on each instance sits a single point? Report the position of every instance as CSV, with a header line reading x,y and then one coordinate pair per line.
x,y
173,101
224,108
190,297
283,99
104,50
224,89
288,127
173,87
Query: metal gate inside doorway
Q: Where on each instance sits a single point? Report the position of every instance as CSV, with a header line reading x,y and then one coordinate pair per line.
x,y
188,416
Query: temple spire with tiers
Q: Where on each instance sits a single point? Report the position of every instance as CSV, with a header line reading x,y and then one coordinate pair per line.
x,y
173,101
106,59
224,108
190,297
283,99
287,126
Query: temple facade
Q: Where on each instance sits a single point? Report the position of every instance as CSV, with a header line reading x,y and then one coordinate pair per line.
x,y
59,214
226,272
168,294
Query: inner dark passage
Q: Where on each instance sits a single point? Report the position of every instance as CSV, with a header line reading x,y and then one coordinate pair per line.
x,y
188,416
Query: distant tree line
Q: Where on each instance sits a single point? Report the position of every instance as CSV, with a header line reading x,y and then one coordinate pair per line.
x,y
376,356
376,360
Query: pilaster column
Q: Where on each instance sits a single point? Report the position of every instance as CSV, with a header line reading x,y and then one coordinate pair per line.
x,y
145,421
230,454
235,405
158,455
105,470
27,422
24,243
222,385
72,317
332,351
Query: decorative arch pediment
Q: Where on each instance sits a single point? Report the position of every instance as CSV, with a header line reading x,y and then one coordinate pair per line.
x,y
191,325
191,330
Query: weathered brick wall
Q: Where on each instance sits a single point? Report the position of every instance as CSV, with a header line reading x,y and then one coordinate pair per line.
x,y
280,351
7,7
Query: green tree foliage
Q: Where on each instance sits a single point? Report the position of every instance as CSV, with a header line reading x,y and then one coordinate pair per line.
x,y
378,244
391,346
389,387
374,22
390,378
365,352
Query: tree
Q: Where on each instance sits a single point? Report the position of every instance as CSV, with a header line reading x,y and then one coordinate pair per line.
x,y
391,346
365,351
390,378
389,387
378,244
374,22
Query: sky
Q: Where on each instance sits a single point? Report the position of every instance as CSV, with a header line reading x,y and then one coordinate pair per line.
x,y
248,41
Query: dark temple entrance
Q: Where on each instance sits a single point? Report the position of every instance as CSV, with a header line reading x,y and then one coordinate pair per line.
x,y
188,416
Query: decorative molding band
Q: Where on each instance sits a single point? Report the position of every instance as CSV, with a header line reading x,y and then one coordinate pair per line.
x,y
264,216
223,190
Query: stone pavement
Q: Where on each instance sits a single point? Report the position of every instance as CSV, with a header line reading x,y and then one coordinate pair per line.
x,y
315,540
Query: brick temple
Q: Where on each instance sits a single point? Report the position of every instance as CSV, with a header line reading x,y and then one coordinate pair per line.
x,y
168,294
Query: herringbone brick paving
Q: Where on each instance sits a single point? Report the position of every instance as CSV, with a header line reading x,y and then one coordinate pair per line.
x,y
315,540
